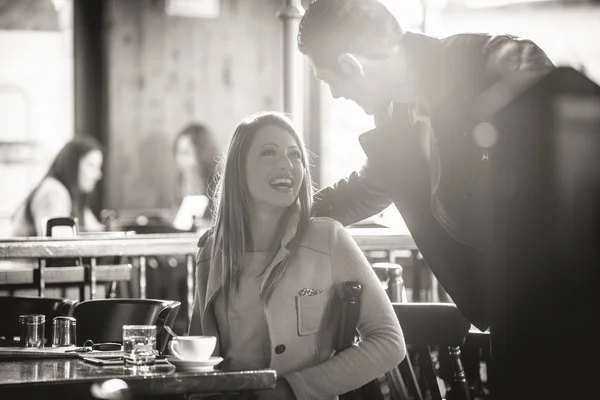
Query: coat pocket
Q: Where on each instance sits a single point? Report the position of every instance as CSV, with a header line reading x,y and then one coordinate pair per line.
x,y
309,310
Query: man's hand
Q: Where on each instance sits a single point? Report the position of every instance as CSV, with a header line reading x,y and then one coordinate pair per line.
x,y
282,391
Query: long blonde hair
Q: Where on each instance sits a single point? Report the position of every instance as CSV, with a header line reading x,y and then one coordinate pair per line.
x,y
232,234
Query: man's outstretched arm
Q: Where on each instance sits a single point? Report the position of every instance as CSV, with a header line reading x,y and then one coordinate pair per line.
x,y
352,199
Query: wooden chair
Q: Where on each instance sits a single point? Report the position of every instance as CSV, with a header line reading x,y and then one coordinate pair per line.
x,y
102,320
426,325
12,307
83,272
68,224
390,275
61,272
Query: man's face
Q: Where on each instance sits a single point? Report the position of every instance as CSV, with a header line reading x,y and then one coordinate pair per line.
x,y
361,89
371,83
357,88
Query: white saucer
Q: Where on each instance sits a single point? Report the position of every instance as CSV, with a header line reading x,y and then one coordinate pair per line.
x,y
200,366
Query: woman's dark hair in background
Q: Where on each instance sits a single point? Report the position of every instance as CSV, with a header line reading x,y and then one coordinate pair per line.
x,y
65,169
206,150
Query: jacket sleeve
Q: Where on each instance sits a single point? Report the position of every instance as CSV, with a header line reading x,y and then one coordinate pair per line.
x,y
352,199
382,346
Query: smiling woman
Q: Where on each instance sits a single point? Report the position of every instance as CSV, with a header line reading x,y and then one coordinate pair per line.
x,y
267,274
274,170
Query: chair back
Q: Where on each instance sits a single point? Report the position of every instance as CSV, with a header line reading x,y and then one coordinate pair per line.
x,y
424,325
12,307
102,320
432,324
70,225
167,317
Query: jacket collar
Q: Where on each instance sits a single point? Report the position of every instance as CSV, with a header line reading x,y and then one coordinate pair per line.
x,y
436,82
429,57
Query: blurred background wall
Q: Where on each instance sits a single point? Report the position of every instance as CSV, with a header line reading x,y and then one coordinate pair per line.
x,y
132,73
165,71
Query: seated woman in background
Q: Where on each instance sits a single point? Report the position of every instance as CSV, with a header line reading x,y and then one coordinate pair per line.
x,y
64,189
266,276
196,152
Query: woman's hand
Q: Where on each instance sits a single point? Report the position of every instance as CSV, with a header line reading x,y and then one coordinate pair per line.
x,y
282,391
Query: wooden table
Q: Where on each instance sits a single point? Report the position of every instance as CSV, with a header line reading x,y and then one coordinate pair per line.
x,y
72,379
164,244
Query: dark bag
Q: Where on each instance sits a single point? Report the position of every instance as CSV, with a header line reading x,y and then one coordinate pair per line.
x,y
349,306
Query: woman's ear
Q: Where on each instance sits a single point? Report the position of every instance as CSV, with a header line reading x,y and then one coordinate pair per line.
x,y
350,66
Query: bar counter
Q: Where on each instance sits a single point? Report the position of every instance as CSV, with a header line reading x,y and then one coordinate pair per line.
x,y
102,245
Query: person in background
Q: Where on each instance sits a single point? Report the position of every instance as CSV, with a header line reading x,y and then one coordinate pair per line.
x,y
267,273
64,190
196,153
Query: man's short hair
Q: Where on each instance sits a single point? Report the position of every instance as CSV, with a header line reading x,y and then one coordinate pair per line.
x,y
333,27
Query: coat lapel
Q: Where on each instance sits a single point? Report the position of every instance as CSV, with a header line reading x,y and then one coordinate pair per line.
x,y
216,272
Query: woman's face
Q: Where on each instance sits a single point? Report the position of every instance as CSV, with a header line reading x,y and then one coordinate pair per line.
x,y
90,170
274,168
185,155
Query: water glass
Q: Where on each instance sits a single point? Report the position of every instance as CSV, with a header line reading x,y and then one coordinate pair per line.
x,y
32,330
139,345
64,332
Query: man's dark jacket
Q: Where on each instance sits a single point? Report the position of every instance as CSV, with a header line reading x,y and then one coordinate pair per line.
x,y
445,201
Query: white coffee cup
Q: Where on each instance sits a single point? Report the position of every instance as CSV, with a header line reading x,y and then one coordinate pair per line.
x,y
193,348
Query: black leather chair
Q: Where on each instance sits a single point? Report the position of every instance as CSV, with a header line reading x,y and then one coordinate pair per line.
x,y
102,320
12,307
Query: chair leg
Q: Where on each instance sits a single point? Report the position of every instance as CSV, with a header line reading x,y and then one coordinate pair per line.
x,y
460,386
428,372
399,389
410,379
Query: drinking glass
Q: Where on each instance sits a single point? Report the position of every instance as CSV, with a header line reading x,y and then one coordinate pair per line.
x,y
64,331
139,345
33,333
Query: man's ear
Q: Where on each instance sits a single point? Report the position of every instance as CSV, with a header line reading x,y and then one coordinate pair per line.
x,y
350,66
